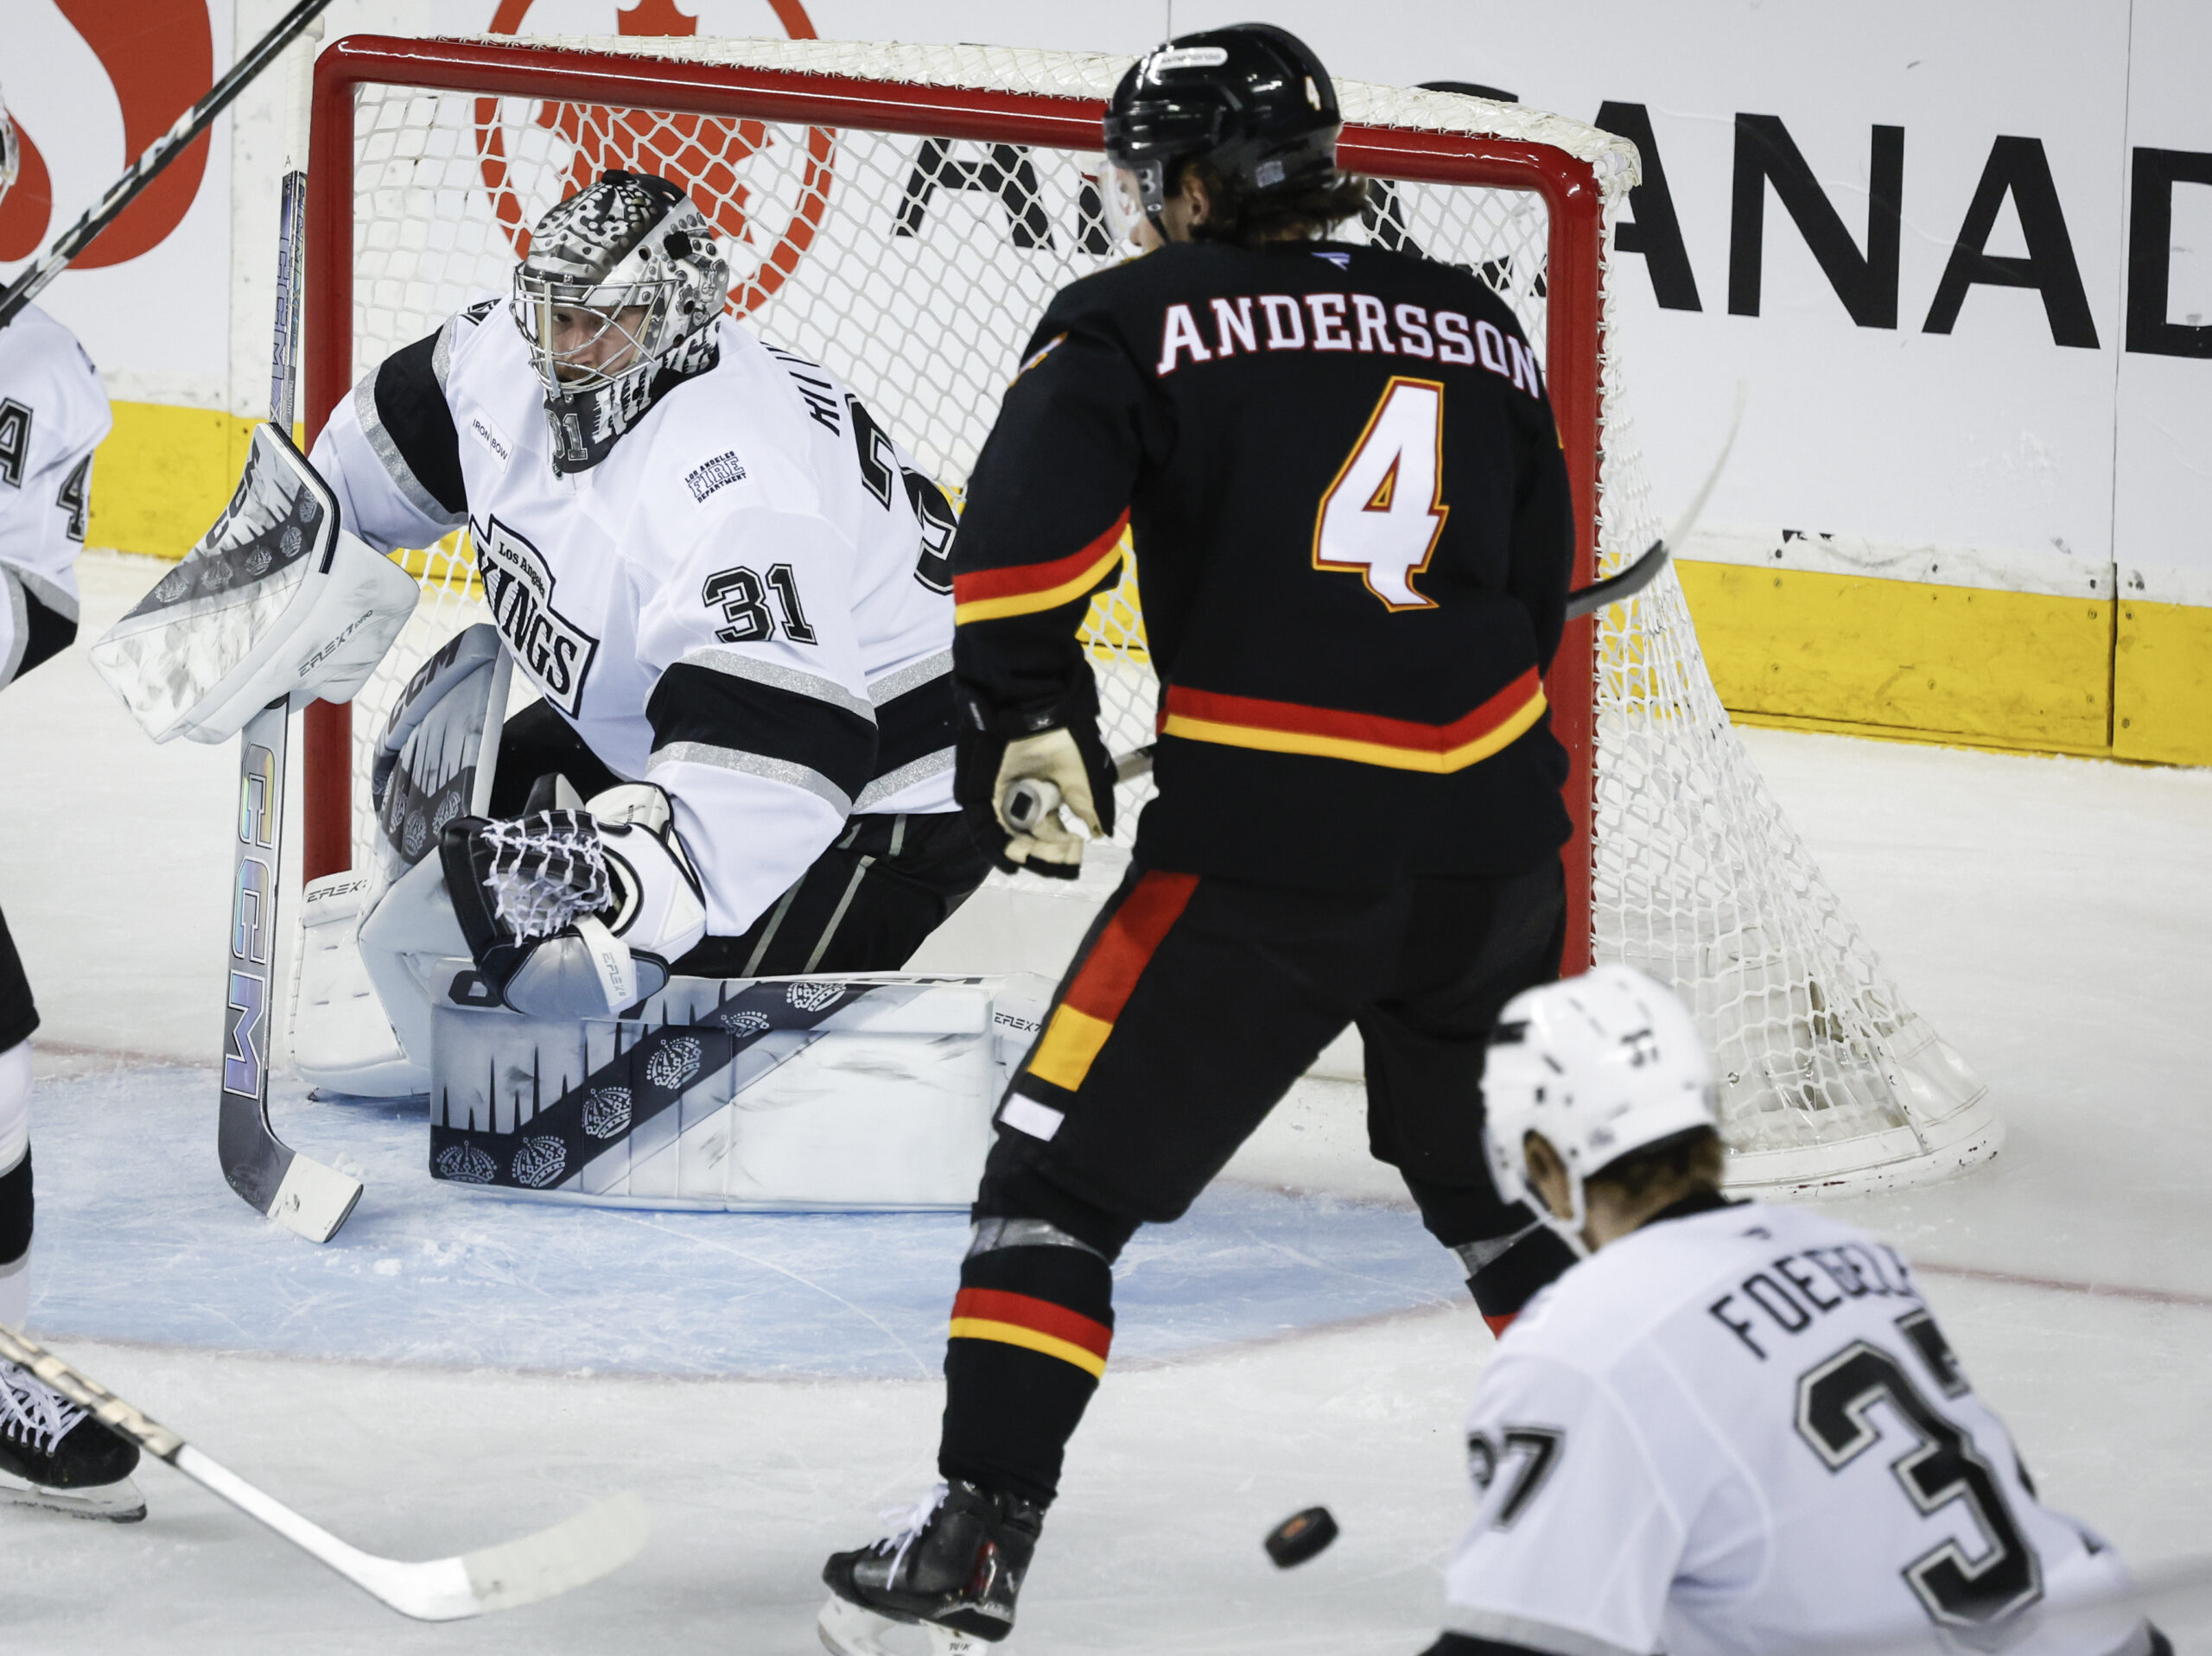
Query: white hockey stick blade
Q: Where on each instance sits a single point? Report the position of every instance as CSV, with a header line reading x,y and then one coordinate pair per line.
x,y
314,1200
503,1577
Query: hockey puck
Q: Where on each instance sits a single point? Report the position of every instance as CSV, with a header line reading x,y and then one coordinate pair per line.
x,y
1301,1535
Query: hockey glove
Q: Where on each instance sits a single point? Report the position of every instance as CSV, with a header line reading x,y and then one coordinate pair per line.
x,y
574,913
1055,748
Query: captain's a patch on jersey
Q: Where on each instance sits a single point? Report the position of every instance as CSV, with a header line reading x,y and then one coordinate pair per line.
x,y
711,476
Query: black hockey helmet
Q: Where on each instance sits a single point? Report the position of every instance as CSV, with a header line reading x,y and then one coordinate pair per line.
x,y
1252,100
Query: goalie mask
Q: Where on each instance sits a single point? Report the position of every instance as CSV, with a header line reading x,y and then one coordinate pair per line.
x,y
1602,1065
617,301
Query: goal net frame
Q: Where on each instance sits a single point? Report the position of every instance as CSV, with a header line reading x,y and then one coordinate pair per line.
x,y
1582,177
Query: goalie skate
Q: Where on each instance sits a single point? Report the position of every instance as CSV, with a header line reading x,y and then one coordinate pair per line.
x,y
53,1454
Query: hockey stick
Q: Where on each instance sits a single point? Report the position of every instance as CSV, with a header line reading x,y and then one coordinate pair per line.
x,y
159,153
581,1549
1629,582
1032,799
297,1191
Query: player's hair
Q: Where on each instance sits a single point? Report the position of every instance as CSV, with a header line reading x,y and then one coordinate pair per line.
x,y
1252,216
1693,1157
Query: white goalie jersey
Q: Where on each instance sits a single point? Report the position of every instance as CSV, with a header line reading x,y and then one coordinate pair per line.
x,y
1741,1430
54,413
745,603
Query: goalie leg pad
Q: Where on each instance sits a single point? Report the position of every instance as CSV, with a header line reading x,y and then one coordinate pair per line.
x,y
405,940
440,748
805,1094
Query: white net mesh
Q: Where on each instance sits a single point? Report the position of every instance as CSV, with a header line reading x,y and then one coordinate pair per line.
x,y
915,266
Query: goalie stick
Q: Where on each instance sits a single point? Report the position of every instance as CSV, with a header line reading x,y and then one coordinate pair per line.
x,y
297,1191
1029,800
595,1543
157,156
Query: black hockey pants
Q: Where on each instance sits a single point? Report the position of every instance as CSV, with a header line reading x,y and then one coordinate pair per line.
x,y
1192,1007
864,905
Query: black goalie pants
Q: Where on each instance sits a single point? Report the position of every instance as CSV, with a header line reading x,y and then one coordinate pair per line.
x,y
1192,1007
865,905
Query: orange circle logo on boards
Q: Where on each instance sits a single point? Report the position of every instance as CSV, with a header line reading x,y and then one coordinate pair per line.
x,y
765,195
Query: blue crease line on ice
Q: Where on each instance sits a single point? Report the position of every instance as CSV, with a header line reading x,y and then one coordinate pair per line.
x,y
140,1239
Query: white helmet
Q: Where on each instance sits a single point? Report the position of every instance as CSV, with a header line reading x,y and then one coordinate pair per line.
x,y
1602,1065
11,157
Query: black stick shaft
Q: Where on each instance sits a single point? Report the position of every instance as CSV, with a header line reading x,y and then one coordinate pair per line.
x,y
291,244
159,153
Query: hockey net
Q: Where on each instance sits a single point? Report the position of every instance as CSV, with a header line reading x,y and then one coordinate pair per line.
x,y
903,213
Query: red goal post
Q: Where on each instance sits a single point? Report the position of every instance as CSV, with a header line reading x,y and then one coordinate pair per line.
x,y
1568,187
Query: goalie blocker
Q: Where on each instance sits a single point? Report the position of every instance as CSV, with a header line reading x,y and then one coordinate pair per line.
x,y
276,601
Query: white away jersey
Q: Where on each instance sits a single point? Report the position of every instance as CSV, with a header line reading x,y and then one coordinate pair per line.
x,y
53,413
1742,1431
746,602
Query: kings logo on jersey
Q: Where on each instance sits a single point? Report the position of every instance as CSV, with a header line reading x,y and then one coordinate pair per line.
x,y
518,586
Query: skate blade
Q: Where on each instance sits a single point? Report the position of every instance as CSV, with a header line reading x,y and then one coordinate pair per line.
x,y
848,1630
116,1503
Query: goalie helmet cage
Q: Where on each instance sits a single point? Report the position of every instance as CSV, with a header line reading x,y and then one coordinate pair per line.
x,y
902,213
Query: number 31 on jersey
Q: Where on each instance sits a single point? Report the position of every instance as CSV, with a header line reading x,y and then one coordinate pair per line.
x,y
1381,517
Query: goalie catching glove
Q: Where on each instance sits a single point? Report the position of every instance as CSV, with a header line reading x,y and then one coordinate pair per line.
x,y
574,913
1056,744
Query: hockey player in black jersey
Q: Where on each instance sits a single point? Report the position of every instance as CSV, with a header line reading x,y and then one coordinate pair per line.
x,y
1350,517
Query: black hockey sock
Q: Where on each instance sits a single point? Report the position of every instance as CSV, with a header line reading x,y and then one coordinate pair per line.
x,y
1509,1256
1030,1331
1502,1284
15,1211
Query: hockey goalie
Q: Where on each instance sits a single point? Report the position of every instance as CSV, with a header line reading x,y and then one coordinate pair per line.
x,y
726,585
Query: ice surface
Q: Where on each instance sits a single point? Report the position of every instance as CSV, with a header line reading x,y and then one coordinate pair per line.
x,y
2053,918
140,1239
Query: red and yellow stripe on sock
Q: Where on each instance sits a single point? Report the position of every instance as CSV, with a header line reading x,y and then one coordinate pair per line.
x,y
1108,976
1034,1324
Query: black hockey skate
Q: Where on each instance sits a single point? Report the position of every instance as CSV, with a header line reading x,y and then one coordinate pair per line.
x,y
951,1567
53,1454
